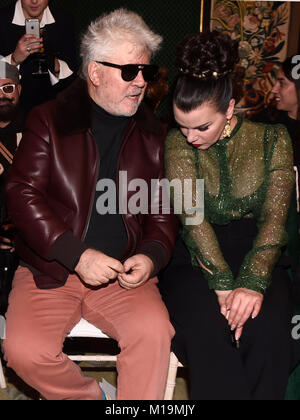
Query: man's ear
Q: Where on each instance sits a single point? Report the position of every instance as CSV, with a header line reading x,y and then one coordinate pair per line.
x,y
19,87
94,73
230,110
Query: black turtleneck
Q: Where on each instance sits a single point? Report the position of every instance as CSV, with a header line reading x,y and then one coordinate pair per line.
x,y
107,233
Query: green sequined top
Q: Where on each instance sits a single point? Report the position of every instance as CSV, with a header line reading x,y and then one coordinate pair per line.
x,y
249,174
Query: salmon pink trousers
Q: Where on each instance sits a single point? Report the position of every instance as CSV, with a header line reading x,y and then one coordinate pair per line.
x,y
38,321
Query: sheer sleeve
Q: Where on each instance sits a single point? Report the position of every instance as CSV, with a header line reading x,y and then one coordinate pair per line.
x,y
256,270
181,165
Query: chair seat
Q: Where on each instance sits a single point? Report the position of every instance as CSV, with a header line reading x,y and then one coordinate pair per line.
x,y
86,329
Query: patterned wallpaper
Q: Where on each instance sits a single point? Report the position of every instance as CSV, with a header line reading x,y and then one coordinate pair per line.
x,y
261,28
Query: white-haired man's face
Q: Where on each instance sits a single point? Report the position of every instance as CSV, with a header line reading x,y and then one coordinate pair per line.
x,y
109,90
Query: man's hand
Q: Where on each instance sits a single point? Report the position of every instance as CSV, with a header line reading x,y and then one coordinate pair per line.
x,y
138,270
6,243
1,169
27,45
56,67
96,268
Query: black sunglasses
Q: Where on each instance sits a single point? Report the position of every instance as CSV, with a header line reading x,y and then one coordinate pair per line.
x,y
130,71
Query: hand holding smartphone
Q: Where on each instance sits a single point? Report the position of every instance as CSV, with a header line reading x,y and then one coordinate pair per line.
x,y
30,43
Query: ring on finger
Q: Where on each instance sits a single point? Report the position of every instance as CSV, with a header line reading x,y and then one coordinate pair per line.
x,y
28,50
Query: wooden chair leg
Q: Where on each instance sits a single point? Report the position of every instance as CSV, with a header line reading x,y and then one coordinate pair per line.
x,y
2,377
171,380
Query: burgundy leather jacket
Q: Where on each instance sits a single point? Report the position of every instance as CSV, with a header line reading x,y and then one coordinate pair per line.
x,y
52,182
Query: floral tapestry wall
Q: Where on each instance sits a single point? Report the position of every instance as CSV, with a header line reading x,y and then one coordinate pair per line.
x,y
261,28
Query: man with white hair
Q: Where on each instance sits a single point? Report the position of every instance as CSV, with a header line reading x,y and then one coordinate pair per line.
x,y
77,260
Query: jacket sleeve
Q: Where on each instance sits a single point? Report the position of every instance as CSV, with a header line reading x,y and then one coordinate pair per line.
x,y
256,270
26,189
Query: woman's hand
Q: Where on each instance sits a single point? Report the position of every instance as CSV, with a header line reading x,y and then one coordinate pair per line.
x,y
241,304
238,305
222,297
27,45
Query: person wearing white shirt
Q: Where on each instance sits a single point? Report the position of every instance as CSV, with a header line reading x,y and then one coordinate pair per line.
x,y
19,49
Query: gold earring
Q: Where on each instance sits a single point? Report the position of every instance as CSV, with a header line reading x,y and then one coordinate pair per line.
x,y
227,129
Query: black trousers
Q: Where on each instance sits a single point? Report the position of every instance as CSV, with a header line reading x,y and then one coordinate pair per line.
x,y
8,265
260,369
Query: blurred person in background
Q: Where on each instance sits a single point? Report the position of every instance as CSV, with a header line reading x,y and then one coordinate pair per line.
x,y
54,50
11,126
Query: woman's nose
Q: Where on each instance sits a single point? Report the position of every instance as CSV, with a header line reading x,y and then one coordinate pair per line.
x,y
191,136
275,88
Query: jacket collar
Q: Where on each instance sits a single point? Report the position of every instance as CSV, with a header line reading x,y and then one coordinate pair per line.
x,y
73,111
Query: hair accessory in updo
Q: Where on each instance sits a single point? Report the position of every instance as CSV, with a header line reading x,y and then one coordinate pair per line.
x,y
205,74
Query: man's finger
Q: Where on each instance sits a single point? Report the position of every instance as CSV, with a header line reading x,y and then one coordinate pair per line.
x,y
123,283
129,264
111,274
116,265
131,278
2,246
5,240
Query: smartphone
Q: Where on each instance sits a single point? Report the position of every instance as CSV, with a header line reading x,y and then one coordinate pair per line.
x,y
32,26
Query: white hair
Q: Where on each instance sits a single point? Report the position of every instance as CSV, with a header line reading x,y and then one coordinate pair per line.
x,y
106,33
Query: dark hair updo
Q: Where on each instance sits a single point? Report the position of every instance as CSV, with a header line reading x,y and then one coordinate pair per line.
x,y
205,62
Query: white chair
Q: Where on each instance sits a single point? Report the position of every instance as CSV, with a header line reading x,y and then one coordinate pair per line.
x,y
172,374
86,330
2,336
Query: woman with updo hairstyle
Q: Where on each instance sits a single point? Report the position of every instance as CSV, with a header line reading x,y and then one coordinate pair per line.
x,y
226,289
